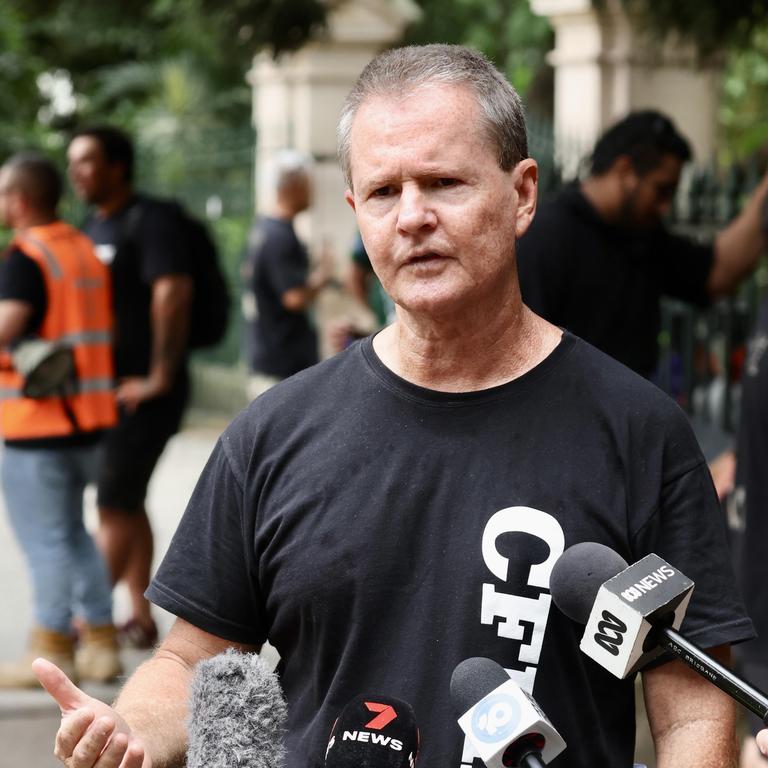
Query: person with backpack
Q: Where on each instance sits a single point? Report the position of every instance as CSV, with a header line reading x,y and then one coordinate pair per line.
x,y
144,242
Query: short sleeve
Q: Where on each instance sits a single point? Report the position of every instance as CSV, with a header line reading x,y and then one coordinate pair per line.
x,y
161,238
208,576
684,266
22,280
688,531
286,262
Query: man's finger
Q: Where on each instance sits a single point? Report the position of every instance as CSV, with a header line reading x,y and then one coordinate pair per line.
x,y
90,747
67,695
71,730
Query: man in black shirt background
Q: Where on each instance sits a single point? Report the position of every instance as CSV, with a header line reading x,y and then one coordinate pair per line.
x,y
279,288
598,258
144,245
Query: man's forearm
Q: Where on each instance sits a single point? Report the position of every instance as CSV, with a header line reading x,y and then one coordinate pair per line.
x,y
698,744
693,723
170,315
158,714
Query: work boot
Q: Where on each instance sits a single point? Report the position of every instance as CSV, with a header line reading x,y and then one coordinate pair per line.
x,y
57,647
97,657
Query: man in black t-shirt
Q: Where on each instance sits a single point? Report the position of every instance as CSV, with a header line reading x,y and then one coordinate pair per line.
x,y
392,511
143,244
279,289
597,258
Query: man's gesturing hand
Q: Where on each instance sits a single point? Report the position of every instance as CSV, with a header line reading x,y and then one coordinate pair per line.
x,y
91,734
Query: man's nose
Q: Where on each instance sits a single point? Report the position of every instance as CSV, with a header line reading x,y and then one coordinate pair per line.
x,y
415,212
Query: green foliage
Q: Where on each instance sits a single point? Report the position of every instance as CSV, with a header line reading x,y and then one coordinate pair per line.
x,y
712,24
744,108
507,32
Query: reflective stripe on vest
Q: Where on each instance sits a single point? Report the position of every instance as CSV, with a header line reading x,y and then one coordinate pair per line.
x,y
85,386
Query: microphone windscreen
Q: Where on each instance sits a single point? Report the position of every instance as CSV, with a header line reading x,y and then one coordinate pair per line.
x,y
237,714
374,731
579,573
472,680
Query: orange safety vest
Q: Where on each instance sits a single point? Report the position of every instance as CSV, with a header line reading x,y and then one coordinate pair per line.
x,y
78,314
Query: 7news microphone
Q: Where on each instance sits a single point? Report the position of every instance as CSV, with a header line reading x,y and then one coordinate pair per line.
x,y
237,714
373,731
502,722
632,614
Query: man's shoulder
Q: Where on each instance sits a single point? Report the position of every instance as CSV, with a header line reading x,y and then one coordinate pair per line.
x,y
313,393
604,380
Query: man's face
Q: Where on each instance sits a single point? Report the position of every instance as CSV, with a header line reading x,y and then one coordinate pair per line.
x,y
648,197
92,178
5,202
437,214
11,199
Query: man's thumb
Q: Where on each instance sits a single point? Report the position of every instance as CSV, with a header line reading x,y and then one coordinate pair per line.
x,y
67,695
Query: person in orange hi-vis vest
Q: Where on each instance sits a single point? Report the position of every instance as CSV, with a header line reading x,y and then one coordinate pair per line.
x,y
55,305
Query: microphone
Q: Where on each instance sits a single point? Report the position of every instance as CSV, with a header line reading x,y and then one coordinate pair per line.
x,y
373,731
503,723
237,714
632,614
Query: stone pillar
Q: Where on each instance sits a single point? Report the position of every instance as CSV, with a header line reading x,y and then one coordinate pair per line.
x,y
297,100
606,65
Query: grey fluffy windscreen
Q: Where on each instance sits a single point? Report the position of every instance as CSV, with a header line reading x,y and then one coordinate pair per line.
x,y
579,573
237,714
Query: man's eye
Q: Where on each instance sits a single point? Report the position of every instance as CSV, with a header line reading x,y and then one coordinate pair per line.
x,y
381,191
447,182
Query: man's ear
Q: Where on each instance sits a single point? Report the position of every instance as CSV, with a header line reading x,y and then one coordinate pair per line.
x,y
350,198
526,180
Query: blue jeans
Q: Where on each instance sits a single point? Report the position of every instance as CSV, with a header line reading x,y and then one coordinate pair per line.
x,y
43,490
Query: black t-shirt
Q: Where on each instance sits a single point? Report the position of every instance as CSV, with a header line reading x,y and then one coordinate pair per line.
x,y
281,341
378,533
604,283
141,243
22,280
752,496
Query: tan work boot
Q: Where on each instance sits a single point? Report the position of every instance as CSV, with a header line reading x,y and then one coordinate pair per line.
x,y
54,646
97,657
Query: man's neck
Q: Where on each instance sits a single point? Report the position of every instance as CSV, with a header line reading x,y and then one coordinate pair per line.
x,y
34,220
282,212
468,355
602,195
117,200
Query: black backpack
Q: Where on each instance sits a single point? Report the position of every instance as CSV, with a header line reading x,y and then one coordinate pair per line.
x,y
211,300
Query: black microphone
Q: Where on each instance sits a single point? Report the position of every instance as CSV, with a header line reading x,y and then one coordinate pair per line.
x,y
632,614
237,714
503,723
373,731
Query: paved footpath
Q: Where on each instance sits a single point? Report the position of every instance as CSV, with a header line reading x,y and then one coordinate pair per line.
x,y
28,719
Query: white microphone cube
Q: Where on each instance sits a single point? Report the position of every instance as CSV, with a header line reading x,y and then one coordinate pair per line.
x,y
506,715
625,610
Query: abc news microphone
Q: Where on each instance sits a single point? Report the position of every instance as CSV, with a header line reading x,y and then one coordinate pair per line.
x,y
237,714
632,614
373,731
503,723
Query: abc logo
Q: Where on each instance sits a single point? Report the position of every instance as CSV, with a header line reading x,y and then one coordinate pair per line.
x,y
496,717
